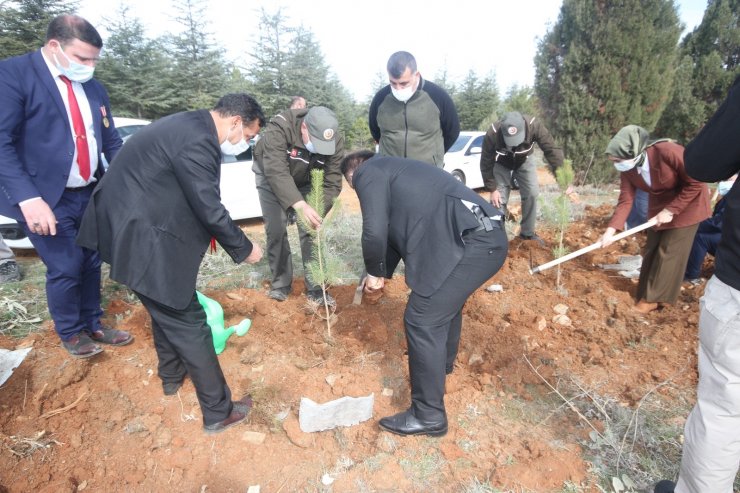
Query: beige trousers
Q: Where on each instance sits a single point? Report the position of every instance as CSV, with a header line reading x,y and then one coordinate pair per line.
x,y
711,450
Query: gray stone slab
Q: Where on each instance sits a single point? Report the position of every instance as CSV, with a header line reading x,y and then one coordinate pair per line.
x,y
10,360
346,411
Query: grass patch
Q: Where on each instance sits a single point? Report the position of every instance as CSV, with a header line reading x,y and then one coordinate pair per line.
x,y
23,307
642,444
271,410
423,466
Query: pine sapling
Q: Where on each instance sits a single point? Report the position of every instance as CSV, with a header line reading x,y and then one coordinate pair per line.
x,y
324,269
562,209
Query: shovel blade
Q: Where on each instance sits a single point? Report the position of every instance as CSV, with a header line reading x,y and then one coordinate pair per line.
x,y
360,287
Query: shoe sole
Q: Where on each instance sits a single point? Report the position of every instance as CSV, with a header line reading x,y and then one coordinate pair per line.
x,y
230,425
244,405
437,433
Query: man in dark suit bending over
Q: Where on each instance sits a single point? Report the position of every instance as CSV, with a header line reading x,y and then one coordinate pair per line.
x,y
152,218
451,241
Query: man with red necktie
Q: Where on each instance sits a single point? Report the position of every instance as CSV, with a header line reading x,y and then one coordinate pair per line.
x,y
54,124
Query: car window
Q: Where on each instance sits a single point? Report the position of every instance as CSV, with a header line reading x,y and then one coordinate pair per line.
x,y
459,143
128,130
246,155
477,144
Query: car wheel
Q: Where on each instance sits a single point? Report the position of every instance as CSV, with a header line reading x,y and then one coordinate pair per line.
x,y
459,176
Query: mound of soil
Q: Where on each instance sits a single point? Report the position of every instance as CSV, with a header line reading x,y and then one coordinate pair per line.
x,y
104,425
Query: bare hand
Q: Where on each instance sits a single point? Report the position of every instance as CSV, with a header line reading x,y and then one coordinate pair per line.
x,y
39,217
665,216
607,238
309,213
496,198
373,284
255,256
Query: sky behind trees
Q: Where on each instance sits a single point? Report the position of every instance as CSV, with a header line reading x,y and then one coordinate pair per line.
x,y
491,37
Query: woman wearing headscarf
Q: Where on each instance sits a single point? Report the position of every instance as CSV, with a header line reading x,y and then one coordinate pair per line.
x,y
676,201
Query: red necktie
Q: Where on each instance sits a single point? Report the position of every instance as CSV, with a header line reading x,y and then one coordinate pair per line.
x,y
83,152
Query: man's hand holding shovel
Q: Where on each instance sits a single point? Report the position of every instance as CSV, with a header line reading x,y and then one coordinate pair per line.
x,y
374,288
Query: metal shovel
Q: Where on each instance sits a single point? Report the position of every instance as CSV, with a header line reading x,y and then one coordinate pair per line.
x,y
360,287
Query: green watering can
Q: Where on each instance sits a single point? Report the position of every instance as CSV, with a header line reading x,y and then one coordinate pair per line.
x,y
215,320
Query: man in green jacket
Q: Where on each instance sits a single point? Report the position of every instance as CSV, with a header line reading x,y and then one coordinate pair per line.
x,y
507,155
295,142
412,117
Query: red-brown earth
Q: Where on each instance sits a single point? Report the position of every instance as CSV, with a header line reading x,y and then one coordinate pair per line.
x,y
104,425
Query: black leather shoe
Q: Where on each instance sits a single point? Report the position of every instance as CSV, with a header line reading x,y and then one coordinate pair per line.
x,y
171,388
279,294
665,486
533,237
238,414
406,423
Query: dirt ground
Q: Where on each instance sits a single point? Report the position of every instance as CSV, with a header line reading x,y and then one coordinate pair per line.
x,y
104,425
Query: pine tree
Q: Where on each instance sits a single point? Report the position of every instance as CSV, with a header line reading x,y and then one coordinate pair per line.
x,y
710,63
475,100
23,24
200,73
604,65
135,71
288,61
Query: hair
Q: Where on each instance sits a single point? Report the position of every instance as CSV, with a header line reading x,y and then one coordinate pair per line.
x,y
399,62
353,160
68,27
240,104
297,100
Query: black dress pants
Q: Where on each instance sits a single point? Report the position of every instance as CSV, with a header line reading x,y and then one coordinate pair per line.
x,y
433,324
184,345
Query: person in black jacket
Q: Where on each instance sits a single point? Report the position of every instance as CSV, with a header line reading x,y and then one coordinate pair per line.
x,y
451,241
152,218
711,448
707,236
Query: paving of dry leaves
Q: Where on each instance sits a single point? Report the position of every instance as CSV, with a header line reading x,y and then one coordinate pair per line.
x,y
104,424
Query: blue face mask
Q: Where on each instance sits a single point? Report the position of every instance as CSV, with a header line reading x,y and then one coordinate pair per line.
x,y
76,71
310,147
724,187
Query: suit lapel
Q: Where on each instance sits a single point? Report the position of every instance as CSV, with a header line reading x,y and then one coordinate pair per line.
x,y
39,65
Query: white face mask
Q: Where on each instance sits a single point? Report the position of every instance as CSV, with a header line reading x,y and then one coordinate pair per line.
x,y
310,147
234,149
724,187
76,71
625,165
404,94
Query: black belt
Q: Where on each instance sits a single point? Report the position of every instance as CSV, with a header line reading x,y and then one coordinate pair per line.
x,y
79,189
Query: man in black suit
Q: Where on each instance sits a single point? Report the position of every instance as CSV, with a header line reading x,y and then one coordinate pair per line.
x,y
451,241
152,218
